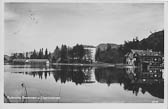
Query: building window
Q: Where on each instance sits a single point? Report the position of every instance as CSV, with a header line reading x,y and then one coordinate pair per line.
x,y
155,59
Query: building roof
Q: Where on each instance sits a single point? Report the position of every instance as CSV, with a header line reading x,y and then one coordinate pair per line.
x,y
145,52
38,60
30,60
19,60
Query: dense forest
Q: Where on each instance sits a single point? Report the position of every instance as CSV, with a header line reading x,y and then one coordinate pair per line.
x,y
64,54
154,42
75,54
34,55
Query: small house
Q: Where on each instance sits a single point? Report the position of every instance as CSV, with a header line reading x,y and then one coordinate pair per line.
x,y
146,59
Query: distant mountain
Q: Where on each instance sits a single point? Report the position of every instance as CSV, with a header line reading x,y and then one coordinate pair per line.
x,y
104,46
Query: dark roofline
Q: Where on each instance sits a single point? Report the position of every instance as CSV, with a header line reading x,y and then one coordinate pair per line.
x,y
146,52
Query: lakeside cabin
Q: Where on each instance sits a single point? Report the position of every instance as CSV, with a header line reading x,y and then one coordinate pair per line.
x,y
145,59
31,61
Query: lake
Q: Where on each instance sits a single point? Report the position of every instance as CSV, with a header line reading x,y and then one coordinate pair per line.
x,y
79,84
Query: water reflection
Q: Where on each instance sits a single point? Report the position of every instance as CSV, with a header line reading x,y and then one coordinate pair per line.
x,y
78,75
131,79
145,81
40,74
109,75
41,66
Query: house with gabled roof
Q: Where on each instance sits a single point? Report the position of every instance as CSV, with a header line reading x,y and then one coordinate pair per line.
x,y
144,58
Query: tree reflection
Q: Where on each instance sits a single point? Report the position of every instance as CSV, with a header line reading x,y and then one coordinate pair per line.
x,y
109,75
78,75
134,80
39,74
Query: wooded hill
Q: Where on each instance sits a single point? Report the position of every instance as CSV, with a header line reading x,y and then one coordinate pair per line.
x,y
111,54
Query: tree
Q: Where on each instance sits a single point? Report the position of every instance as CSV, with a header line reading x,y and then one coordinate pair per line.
x,y
49,56
27,55
63,53
46,54
108,47
14,56
56,53
97,54
40,54
34,55
21,56
78,53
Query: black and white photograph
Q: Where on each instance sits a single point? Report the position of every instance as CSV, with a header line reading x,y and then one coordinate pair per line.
x,y
81,52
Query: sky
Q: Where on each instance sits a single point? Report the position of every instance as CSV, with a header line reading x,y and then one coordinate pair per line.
x,y
30,26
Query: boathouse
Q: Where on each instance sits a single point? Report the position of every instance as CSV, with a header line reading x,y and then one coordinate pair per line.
x,y
19,61
31,61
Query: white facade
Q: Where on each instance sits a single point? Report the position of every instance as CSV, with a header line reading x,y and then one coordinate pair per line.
x,y
93,50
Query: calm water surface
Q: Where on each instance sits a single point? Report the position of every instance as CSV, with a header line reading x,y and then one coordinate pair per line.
x,y
71,84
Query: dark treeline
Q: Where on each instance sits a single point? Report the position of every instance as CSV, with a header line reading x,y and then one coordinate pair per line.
x,y
40,54
75,54
154,42
64,54
78,75
32,55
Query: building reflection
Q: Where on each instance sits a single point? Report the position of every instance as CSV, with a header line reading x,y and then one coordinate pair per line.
x,y
135,80
145,81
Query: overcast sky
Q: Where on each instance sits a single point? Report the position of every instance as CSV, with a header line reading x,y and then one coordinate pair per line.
x,y
30,26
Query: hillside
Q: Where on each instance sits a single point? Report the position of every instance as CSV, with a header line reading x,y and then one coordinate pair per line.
x,y
104,46
113,53
108,53
155,42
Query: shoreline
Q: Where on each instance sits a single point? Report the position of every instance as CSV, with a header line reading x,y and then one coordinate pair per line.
x,y
118,65
121,65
